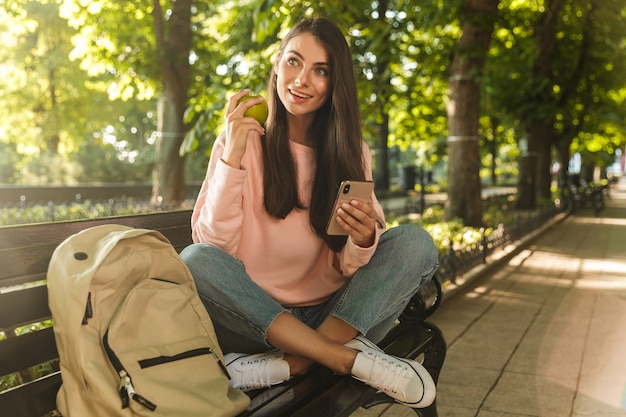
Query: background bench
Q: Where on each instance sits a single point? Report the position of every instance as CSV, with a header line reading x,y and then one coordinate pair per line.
x,y
29,359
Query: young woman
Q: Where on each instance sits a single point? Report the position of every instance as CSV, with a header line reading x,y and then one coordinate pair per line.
x,y
281,292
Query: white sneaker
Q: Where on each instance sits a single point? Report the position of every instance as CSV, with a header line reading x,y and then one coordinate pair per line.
x,y
404,380
249,372
360,343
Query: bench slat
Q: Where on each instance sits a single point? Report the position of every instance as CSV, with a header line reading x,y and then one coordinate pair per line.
x,y
32,399
19,256
21,352
179,237
285,400
22,261
25,260
25,306
20,280
43,233
347,394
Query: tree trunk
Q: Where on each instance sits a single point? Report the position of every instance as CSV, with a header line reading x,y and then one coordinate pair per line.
x,y
586,171
52,138
381,173
492,145
464,188
526,184
527,180
173,43
168,175
563,175
539,127
535,177
544,166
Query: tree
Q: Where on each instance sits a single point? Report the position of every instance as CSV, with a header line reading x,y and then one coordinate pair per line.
x,y
552,65
592,117
52,108
399,66
538,124
146,46
39,84
233,51
172,31
555,69
464,189
401,51
382,89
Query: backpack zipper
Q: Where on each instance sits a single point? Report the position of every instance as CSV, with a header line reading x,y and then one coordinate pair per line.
x,y
88,310
160,360
126,389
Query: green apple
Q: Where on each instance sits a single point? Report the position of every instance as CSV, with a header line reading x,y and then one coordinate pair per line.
x,y
258,111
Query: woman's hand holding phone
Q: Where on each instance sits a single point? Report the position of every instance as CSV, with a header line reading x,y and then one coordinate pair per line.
x,y
358,219
353,213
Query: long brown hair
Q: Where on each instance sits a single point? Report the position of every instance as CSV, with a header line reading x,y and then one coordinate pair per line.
x,y
337,133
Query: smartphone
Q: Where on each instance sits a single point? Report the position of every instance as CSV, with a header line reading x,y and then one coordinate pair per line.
x,y
348,190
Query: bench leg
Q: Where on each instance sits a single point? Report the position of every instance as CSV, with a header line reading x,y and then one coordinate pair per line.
x,y
435,353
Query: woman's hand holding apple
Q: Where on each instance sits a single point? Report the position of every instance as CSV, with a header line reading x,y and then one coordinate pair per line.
x,y
244,117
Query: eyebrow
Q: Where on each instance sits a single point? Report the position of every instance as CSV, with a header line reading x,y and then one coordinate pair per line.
x,y
321,63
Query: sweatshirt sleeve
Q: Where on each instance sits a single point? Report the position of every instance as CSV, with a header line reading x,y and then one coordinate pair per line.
x,y
218,213
352,256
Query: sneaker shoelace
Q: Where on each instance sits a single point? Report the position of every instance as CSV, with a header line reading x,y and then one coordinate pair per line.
x,y
255,373
390,377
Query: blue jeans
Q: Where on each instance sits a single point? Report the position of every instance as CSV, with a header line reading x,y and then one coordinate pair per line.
x,y
370,301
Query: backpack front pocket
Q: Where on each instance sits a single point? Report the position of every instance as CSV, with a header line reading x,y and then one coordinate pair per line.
x,y
170,364
179,384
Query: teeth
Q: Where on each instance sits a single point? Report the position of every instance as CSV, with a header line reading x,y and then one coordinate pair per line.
x,y
299,95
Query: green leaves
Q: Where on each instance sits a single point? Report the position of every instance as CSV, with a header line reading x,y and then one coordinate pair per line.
x,y
85,54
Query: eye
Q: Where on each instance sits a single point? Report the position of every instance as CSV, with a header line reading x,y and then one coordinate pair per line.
x,y
322,72
292,61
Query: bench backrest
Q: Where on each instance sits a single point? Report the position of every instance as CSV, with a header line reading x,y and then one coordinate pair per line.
x,y
28,355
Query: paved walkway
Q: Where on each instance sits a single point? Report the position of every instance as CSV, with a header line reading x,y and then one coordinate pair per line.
x,y
545,334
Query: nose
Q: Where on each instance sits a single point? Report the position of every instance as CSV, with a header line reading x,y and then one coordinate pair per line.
x,y
302,79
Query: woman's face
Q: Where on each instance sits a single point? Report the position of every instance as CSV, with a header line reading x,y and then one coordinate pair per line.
x,y
303,75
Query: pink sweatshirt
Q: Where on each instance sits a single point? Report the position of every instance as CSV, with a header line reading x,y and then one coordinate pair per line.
x,y
284,257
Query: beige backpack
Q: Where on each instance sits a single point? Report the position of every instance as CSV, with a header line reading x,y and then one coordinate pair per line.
x,y
133,336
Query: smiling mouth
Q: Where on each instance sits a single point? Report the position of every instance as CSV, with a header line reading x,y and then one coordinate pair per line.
x,y
299,95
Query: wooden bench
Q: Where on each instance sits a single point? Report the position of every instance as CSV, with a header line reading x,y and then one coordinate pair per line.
x,y
29,358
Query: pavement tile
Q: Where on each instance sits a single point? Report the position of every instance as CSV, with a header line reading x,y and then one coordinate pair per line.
x,y
571,303
465,386
603,373
590,406
552,349
476,350
527,394
448,411
375,411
